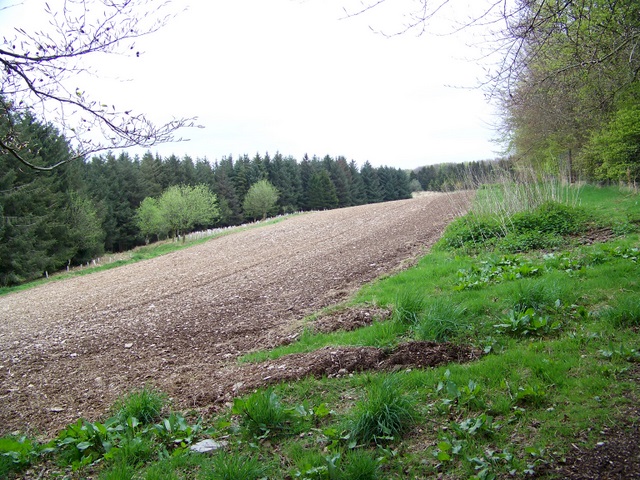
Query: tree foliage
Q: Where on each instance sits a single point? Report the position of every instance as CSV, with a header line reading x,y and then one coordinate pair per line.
x,y
260,199
182,207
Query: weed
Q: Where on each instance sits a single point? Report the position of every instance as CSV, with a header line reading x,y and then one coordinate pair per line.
x,y
485,465
493,271
469,395
118,471
537,295
621,352
385,414
448,448
175,432
527,323
16,454
359,465
83,442
624,313
534,395
482,425
132,450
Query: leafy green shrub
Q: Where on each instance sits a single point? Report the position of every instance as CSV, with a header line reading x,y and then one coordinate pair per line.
x,y
470,231
83,442
16,454
262,413
550,218
490,271
515,242
441,321
386,413
175,432
145,404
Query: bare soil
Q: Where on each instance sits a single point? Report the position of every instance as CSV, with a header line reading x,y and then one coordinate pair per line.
x,y
178,322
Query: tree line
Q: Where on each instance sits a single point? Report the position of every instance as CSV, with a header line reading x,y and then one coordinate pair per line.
x,y
444,177
571,99
78,211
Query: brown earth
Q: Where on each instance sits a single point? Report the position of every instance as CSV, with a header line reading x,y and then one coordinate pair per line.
x,y
69,348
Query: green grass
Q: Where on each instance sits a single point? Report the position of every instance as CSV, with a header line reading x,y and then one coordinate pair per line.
x,y
540,391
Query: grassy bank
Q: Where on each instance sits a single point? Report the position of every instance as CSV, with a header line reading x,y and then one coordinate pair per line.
x,y
549,294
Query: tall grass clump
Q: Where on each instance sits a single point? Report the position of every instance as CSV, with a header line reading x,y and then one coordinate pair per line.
x,y
624,313
235,466
517,212
385,414
506,193
262,413
539,294
441,321
145,405
408,307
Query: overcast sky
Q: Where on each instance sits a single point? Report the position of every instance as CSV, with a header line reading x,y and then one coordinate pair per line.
x,y
297,77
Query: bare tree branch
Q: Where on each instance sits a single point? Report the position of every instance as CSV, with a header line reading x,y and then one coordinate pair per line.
x,y
38,67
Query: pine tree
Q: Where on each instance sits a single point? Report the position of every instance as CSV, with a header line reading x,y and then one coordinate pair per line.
x,y
322,192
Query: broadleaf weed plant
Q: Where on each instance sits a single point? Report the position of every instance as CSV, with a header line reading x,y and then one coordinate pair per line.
x,y
527,323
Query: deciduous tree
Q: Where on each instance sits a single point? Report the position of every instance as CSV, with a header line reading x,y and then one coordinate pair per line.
x,y
261,198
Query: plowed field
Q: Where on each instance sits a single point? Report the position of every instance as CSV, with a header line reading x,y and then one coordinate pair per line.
x,y
178,322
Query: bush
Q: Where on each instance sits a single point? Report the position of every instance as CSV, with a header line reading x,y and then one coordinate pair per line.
x,y
527,241
470,230
550,218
